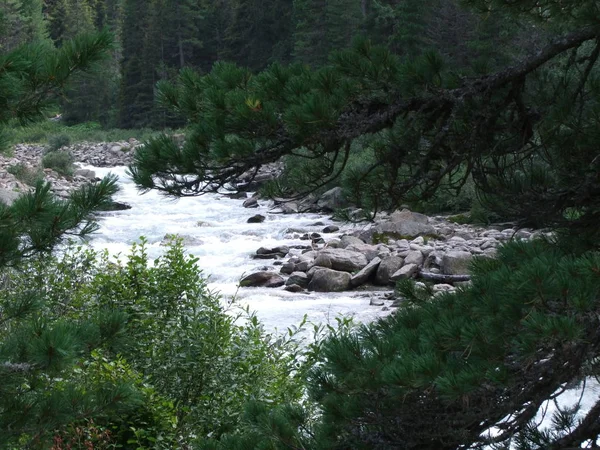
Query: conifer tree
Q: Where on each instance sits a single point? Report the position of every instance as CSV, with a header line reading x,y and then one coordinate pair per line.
x,y
444,371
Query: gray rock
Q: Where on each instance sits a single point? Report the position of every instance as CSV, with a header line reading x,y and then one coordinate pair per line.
x,y
86,173
323,261
327,280
387,268
262,279
407,271
258,218
407,215
298,278
414,257
344,260
332,199
347,240
287,268
370,251
404,229
376,302
8,197
365,273
252,202
456,262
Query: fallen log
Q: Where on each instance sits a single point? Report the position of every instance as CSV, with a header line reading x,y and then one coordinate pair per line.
x,y
442,278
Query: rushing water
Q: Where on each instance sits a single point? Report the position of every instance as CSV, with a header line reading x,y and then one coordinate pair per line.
x,y
225,243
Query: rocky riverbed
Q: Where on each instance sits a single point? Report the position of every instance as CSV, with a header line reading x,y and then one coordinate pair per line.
x,y
28,158
327,257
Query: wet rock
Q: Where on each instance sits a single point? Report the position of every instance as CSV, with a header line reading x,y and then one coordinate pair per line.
x,y
252,202
297,278
116,206
258,218
262,279
330,229
328,280
287,268
293,288
376,302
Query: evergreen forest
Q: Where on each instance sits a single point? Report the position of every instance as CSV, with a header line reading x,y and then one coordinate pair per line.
x,y
490,108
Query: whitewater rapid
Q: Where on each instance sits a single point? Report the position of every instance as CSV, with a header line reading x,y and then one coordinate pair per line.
x,y
224,242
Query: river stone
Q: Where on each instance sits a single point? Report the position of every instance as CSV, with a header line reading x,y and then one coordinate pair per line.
x,y
262,279
405,229
287,268
258,218
456,262
344,260
293,288
330,229
365,273
298,278
407,271
327,280
387,268
332,199
8,197
252,202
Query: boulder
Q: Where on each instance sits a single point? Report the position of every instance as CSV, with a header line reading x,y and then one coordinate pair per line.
x,y
7,196
332,199
327,280
344,260
414,257
262,279
370,251
298,278
456,262
365,273
407,271
402,230
347,240
258,218
387,268
287,268
407,215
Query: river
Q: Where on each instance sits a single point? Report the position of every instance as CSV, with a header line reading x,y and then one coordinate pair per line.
x,y
224,245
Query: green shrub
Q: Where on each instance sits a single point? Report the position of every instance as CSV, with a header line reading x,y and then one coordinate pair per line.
x,y
57,142
172,361
59,161
26,174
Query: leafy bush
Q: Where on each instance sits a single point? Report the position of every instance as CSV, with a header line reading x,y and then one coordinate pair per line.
x,y
59,161
28,175
57,142
175,362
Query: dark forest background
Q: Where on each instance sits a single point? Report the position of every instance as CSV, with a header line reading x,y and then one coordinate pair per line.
x,y
156,38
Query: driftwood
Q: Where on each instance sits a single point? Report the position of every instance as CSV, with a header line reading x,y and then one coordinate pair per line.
x,y
439,277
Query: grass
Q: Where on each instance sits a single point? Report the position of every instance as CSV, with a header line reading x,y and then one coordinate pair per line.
x,y
44,132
